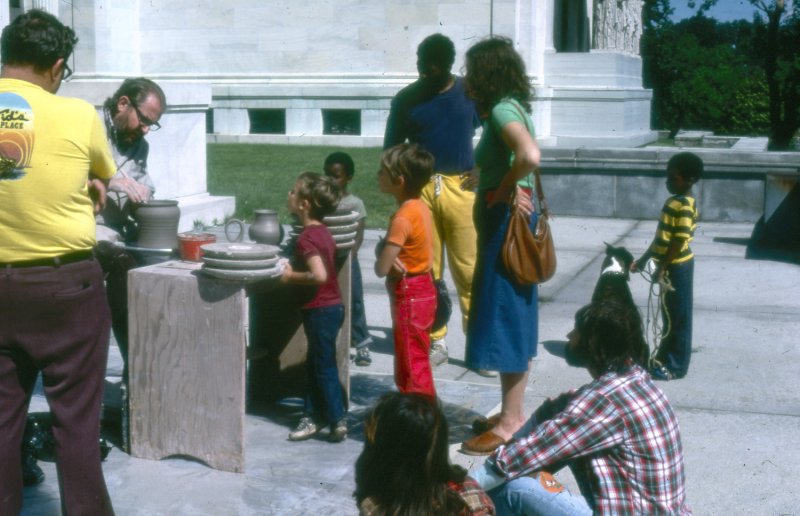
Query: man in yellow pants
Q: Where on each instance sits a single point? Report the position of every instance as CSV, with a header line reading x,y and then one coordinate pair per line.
x,y
436,113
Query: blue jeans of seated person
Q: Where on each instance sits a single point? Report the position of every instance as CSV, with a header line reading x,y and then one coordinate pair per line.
x,y
324,398
526,495
675,350
359,335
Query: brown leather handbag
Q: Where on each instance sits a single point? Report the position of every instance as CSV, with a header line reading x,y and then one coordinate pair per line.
x,y
530,258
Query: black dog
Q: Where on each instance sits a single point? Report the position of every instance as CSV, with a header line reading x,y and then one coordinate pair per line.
x,y
612,287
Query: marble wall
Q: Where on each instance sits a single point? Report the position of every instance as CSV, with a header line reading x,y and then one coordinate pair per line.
x,y
305,56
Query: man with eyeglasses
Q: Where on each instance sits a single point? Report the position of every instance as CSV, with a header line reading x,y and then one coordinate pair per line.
x,y
130,113
54,318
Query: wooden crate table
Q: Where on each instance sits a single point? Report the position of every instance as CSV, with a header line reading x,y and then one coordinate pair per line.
x,y
187,348
186,365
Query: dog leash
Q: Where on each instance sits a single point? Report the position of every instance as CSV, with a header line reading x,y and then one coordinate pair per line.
x,y
656,305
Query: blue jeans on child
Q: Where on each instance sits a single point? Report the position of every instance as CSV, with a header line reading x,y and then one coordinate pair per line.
x,y
324,397
675,350
359,335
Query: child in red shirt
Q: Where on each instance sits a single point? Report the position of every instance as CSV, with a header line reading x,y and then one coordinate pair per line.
x,y
313,197
406,259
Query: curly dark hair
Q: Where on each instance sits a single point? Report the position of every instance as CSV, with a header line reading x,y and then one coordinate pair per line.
x,y
495,71
405,466
687,164
611,336
437,49
320,191
36,38
410,161
343,159
137,89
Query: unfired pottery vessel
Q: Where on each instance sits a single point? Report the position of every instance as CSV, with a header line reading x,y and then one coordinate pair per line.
x,y
157,224
266,229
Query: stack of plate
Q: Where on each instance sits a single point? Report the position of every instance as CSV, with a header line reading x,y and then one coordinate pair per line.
x,y
241,261
343,226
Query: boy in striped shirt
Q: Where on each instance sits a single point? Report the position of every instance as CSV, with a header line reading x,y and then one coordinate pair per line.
x,y
674,259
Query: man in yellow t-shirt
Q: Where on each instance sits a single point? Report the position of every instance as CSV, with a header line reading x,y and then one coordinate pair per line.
x,y
54,318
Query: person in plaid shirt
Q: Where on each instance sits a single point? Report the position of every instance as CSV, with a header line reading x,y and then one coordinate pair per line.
x,y
618,434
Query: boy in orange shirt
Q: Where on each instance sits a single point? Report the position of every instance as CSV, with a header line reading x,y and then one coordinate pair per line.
x,y
406,260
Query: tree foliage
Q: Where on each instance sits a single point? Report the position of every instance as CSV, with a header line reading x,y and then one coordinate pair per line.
x,y
739,77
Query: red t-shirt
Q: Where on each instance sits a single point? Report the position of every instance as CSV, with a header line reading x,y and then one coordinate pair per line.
x,y
316,240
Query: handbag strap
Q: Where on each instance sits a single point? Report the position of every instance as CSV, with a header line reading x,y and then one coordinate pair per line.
x,y
537,170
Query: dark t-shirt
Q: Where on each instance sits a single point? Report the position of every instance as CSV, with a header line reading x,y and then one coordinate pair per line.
x,y
316,240
443,124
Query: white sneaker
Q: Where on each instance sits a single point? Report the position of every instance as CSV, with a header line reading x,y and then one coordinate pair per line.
x,y
306,428
488,373
438,352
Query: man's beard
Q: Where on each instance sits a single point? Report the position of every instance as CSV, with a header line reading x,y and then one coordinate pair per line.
x,y
576,356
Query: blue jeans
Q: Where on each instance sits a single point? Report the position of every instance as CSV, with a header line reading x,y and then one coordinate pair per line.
x,y
675,350
324,398
526,496
359,336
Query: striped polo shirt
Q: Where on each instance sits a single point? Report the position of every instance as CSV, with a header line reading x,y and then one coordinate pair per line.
x,y
678,220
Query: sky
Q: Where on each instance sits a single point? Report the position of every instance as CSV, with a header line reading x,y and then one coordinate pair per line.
x,y
725,10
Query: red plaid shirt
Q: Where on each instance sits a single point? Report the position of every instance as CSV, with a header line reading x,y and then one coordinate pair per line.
x,y
623,432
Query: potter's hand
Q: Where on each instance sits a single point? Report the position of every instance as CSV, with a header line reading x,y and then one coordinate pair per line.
x,y
469,180
136,192
97,192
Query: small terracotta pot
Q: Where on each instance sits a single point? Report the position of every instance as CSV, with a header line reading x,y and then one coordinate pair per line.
x,y
190,243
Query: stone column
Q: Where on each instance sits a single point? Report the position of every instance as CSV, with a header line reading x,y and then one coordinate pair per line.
x,y
51,6
617,25
5,16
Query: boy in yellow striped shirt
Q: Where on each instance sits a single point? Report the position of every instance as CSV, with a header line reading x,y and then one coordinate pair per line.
x,y
674,259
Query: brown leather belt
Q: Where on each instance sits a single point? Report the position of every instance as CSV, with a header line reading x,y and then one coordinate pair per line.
x,y
55,261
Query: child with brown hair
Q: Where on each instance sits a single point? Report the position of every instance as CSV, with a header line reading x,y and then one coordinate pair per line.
x,y
312,198
405,258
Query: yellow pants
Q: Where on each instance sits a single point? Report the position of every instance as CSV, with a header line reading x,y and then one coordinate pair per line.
x,y
454,232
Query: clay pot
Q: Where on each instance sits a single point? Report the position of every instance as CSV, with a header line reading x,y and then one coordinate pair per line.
x,y
157,224
265,229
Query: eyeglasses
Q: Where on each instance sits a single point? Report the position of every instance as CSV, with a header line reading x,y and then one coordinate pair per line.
x,y
153,126
66,72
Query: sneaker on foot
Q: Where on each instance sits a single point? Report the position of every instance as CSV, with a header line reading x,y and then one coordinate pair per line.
x,y
306,428
438,352
338,432
488,373
362,357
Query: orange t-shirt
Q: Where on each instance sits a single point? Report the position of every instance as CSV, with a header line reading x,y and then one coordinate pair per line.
x,y
411,228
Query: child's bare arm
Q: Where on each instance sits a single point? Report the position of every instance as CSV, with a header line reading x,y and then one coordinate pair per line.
x,y
387,260
316,275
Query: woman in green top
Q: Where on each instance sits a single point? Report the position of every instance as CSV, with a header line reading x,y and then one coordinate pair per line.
x,y
503,321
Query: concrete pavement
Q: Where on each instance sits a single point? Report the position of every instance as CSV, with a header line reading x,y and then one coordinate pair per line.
x,y
739,406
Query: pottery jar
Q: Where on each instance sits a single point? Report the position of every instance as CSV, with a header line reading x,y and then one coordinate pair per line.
x,y
266,229
157,224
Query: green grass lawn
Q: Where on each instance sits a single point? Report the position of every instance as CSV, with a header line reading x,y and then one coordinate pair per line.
x,y
260,176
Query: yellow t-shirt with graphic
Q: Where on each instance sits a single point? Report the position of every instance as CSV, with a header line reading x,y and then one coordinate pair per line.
x,y
48,146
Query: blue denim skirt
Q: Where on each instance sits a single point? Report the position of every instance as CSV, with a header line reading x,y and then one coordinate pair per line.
x,y
502,332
